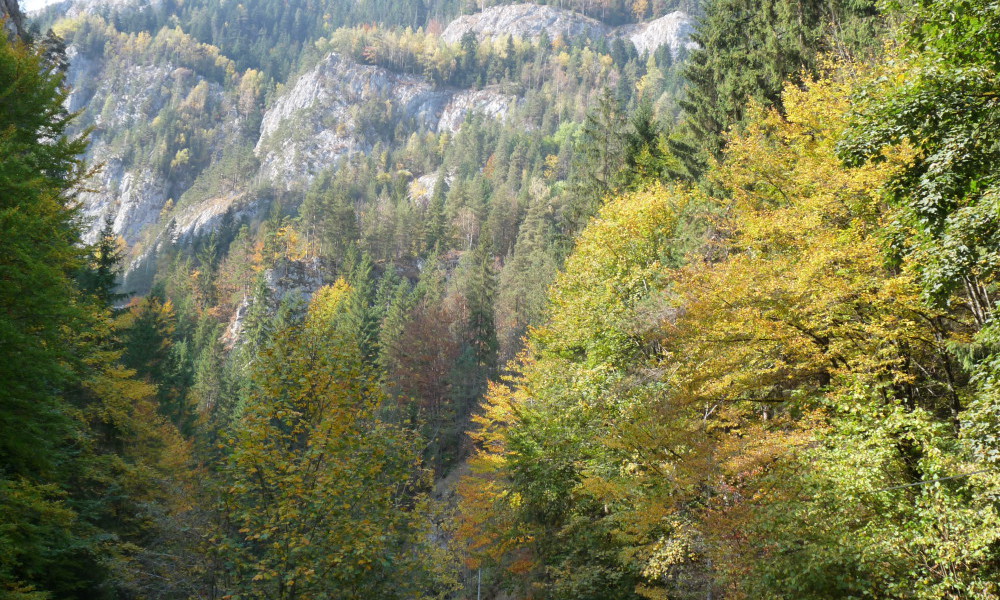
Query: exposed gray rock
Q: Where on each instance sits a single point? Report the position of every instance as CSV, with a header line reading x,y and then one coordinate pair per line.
x,y
525,21
310,127
303,277
323,117
132,198
206,216
133,194
76,8
319,120
489,102
139,197
672,30
528,21
234,329
422,188
13,21
289,278
134,97
82,77
185,225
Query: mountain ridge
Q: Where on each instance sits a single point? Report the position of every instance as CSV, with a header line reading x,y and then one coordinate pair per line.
x,y
529,21
313,114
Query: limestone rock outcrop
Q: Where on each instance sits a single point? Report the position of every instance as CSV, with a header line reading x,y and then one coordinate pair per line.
x,y
10,16
526,21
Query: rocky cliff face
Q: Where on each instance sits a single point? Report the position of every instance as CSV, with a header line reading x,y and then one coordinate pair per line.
x,y
10,15
332,109
672,30
336,109
298,279
323,116
130,189
489,102
528,21
80,7
327,115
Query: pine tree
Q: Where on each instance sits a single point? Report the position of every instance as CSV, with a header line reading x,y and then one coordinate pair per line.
x,y
600,158
328,217
101,277
40,170
87,465
525,278
747,49
397,314
477,363
363,312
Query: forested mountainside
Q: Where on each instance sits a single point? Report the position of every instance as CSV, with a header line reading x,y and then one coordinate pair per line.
x,y
577,300
187,137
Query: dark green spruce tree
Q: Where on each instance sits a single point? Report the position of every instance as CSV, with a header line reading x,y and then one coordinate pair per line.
x,y
87,465
748,49
40,171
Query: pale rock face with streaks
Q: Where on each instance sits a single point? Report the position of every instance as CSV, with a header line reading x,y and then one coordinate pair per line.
x,y
336,109
672,30
101,7
528,21
10,15
525,21
298,279
130,192
322,118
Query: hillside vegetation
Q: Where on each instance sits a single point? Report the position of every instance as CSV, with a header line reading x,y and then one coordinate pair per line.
x,y
431,300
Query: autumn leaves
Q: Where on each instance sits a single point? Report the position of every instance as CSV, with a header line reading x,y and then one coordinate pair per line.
x,y
740,424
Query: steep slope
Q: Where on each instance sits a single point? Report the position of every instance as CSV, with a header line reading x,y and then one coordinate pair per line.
x,y
91,7
339,108
162,109
329,111
10,14
672,30
525,21
188,140
529,21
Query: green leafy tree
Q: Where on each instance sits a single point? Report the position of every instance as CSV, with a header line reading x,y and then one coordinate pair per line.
x,y
543,433
943,100
323,499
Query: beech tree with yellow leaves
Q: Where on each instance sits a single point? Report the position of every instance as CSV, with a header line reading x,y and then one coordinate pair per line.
x,y
764,421
527,511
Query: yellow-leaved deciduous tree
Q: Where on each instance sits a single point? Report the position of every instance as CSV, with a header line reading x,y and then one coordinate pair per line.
x,y
528,511
488,523
138,476
760,423
322,498
823,383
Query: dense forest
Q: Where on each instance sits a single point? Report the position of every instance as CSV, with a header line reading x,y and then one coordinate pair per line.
x,y
682,321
